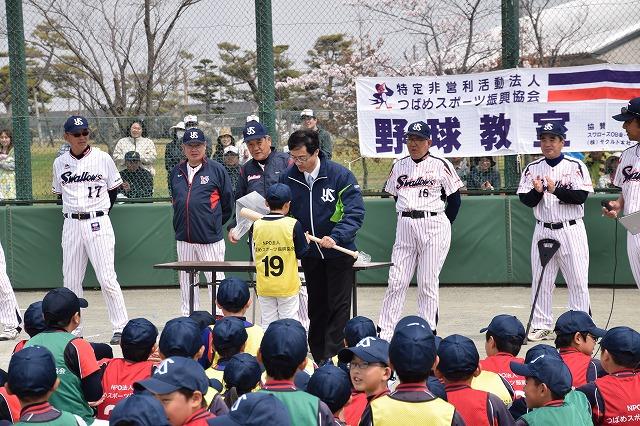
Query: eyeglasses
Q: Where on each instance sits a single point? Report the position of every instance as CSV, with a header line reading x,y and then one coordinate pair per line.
x,y
82,133
364,365
626,110
301,158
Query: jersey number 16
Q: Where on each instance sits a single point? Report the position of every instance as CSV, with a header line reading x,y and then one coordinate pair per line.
x,y
273,266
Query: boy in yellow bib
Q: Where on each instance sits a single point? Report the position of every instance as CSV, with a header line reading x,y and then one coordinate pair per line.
x,y
278,242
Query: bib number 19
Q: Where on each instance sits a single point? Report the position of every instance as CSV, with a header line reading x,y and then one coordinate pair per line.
x,y
273,266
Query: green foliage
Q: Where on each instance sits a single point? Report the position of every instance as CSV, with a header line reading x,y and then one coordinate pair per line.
x,y
211,86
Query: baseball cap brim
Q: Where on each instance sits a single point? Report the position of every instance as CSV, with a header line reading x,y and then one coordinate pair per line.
x,y
83,302
551,132
484,329
598,332
420,135
253,137
521,369
156,386
347,354
624,117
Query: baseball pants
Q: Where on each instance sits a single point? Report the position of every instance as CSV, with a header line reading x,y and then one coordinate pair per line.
x,y
633,251
572,259
8,302
275,308
198,252
94,240
422,243
303,312
329,283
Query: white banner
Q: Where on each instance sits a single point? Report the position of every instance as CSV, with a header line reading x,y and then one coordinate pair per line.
x,y
498,112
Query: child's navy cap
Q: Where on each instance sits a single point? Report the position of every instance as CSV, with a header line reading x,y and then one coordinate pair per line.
x,y
193,136
139,332
420,129
541,349
255,409
203,318
572,322
75,123
506,327
242,371
32,370
458,354
34,320
285,340
553,128
139,410
357,328
253,130
369,349
412,348
180,337
176,373
233,294
278,193
229,332
550,370
332,385
622,340
60,304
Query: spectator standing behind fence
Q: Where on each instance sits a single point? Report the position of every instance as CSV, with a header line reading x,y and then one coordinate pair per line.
x,y
173,153
225,139
137,141
231,162
136,181
595,162
7,166
610,167
310,121
484,175
461,166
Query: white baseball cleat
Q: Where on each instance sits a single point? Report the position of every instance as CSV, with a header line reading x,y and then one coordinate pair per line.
x,y
9,333
540,334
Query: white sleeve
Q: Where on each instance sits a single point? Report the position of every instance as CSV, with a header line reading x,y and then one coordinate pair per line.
x,y
390,186
113,175
584,178
118,152
148,154
526,181
618,179
451,181
56,187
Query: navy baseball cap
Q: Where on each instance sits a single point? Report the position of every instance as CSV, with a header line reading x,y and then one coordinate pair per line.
x,y
139,410
139,332
175,373
541,349
631,111
284,341
132,156
75,123
203,318
229,332
242,371
180,337
369,349
458,354
622,340
60,304
32,371
332,385
420,129
550,370
413,347
357,328
572,322
34,320
301,380
505,326
193,136
552,128
255,409
278,193
233,294
253,130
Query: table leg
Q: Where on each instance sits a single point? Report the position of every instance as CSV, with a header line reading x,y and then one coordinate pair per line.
x,y
355,293
192,284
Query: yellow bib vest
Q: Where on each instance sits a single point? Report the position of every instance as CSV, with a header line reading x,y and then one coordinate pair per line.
x,y
388,411
275,257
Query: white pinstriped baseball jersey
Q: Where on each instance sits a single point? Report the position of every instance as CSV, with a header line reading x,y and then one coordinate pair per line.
x,y
419,186
628,178
569,173
84,183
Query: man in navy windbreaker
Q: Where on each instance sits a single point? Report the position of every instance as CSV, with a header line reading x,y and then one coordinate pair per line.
x,y
202,200
327,200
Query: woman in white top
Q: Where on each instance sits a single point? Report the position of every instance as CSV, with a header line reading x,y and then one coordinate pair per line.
x,y
136,142
7,166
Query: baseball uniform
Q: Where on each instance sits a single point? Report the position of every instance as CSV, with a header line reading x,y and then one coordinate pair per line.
x,y
423,235
562,221
628,179
8,304
87,234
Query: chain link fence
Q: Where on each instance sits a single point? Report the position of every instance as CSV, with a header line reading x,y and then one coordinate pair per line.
x,y
154,62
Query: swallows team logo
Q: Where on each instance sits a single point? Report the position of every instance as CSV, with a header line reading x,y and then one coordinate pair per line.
x,y
66,166
204,180
381,95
